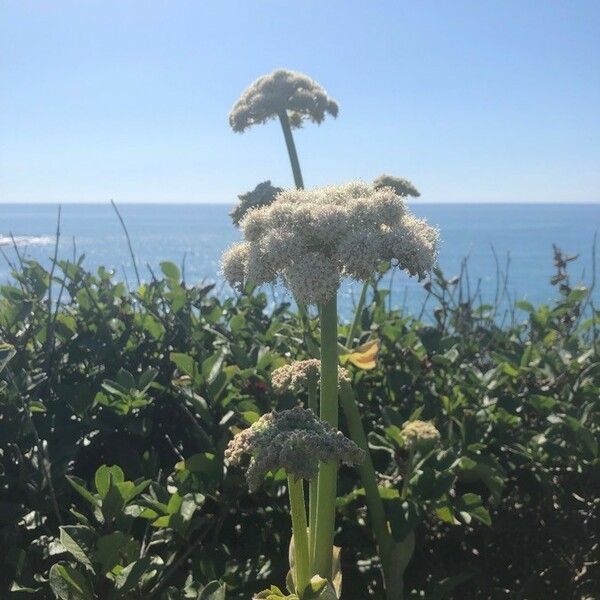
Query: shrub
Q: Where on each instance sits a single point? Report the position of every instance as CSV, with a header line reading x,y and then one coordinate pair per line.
x,y
117,407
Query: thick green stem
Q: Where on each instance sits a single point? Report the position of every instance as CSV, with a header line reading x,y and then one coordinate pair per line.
x,y
388,550
291,148
327,479
301,558
313,404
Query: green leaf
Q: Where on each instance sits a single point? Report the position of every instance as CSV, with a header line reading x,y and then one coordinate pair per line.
x,y
170,270
404,516
213,591
16,588
80,541
78,485
36,406
146,378
471,506
184,362
113,503
319,589
111,547
6,353
129,490
212,366
69,584
103,478
137,573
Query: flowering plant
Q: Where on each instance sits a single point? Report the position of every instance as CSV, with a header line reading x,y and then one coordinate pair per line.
x,y
310,240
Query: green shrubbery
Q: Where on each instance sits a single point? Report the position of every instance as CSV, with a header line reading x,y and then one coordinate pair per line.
x,y
117,406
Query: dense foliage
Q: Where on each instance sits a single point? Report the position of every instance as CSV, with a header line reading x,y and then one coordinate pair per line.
x,y
117,405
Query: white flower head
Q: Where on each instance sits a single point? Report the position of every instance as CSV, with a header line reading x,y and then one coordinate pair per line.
x,y
311,239
281,91
233,264
295,440
298,375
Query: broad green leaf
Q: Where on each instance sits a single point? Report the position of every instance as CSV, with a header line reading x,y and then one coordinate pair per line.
x,y
69,584
184,362
80,541
112,503
213,591
103,478
170,270
471,506
111,547
78,485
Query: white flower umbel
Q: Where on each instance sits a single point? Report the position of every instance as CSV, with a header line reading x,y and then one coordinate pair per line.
x,y
282,91
311,239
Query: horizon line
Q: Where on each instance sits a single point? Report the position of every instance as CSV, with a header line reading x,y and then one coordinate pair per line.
x,y
216,203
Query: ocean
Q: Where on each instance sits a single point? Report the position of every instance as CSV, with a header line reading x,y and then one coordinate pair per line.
x,y
520,235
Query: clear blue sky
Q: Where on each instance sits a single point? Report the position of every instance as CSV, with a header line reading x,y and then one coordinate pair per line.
x,y
128,99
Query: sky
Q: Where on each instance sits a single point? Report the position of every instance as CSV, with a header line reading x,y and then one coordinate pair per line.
x,y
473,101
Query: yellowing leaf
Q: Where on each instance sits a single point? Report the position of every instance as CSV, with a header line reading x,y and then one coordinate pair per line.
x,y
364,356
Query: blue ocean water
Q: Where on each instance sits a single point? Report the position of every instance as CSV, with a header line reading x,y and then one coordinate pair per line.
x,y
197,234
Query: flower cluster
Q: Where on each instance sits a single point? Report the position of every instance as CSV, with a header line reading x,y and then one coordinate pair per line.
x,y
278,92
402,187
295,440
296,376
262,195
313,238
420,434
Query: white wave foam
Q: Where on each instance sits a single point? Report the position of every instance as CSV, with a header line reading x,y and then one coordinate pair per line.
x,y
26,240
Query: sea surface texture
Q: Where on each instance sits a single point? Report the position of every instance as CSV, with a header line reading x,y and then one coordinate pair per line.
x,y
195,235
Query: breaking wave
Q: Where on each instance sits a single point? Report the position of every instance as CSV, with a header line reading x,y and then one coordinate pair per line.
x,y
26,240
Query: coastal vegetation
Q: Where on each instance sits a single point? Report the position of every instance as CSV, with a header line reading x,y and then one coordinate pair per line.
x,y
117,406
167,441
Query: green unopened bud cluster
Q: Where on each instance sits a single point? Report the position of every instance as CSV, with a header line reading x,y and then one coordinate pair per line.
x,y
402,187
262,195
420,434
295,440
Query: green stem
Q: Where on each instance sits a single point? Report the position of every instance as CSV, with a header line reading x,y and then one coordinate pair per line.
x,y
357,314
388,549
301,557
313,404
291,148
327,478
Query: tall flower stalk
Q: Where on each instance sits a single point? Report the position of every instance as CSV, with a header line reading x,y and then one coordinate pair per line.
x,y
293,98
327,479
291,148
309,240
